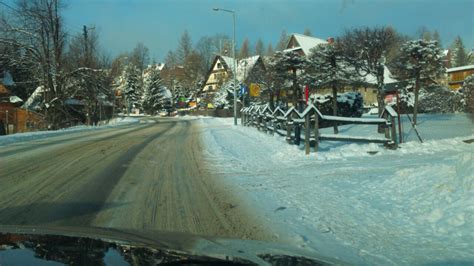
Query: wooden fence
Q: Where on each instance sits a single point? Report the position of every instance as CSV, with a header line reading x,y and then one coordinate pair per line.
x,y
283,122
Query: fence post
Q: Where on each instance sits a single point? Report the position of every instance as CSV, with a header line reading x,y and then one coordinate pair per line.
x,y
387,130
288,128
316,132
6,121
274,124
307,133
394,131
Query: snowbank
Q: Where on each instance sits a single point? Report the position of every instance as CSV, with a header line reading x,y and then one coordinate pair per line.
x,y
414,205
19,137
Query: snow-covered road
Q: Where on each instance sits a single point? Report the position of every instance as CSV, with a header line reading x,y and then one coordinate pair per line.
x,y
413,205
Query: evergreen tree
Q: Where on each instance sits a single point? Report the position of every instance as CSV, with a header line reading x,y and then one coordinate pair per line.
x,y
171,59
307,32
259,47
459,53
421,61
132,87
245,49
284,67
282,42
185,47
437,38
269,51
327,66
155,94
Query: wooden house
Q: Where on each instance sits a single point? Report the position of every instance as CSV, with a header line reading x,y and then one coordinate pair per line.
x,y
249,70
456,76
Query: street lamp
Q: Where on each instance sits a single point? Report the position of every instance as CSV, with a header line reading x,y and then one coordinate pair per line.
x,y
235,62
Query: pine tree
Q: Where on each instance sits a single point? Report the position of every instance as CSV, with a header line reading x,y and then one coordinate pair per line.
x,y
132,87
421,61
245,49
155,96
171,59
327,66
459,53
185,47
437,38
259,47
283,41
269,51
284,67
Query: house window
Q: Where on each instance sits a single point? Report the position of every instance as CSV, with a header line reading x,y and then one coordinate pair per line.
x,y
215,76
209,87
219,65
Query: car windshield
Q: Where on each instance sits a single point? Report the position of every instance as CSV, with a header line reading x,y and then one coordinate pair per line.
x,y
342,129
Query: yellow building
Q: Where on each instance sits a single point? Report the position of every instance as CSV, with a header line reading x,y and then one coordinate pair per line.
x,y
457,75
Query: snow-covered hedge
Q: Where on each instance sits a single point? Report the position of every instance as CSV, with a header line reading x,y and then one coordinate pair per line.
x,y
468,93
439,99
433,99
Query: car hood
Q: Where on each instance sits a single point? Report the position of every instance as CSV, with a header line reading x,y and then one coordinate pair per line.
x,y
43,245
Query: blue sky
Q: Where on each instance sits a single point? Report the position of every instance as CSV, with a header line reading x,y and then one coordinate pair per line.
x,y
159,23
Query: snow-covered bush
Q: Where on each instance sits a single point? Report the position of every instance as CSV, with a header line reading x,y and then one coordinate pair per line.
x,y
468,93
349,104
439,99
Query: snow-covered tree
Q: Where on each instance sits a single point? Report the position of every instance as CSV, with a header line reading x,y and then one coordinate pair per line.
x,y
223,98
459,53
284,67
132,86
420,61
366,50
156,96
327,67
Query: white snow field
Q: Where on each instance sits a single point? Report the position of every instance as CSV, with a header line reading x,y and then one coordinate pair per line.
x,y
13,138
410,206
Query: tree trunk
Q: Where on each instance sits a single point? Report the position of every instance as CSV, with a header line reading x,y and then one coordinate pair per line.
x,y
415,107
334,106
295,89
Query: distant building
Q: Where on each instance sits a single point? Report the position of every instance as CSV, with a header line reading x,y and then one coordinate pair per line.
x,y
302,44
222,70
456,75
14,118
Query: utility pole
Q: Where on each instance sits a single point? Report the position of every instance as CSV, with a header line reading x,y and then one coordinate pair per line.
x,y
86,46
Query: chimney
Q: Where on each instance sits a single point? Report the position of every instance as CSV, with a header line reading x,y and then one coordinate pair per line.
x,y
330,40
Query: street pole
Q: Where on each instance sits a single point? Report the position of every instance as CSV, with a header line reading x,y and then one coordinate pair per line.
x,y
235,74
235,61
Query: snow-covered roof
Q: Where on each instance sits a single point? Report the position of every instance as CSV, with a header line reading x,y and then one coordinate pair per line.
x,y
445,52
15,99
305,42
387,77
34,100
229,61
461,68
244,66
